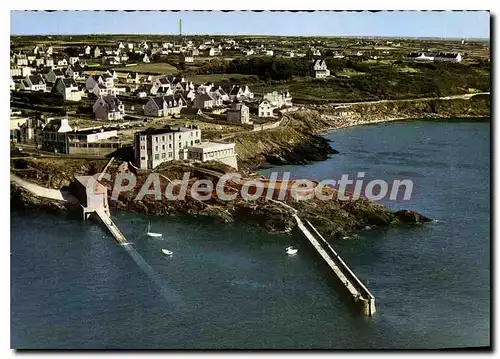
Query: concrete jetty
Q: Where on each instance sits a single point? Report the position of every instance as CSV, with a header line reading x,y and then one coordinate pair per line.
x,y
355,287
108,222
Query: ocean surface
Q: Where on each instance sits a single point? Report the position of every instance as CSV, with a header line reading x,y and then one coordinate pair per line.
x,y
232,286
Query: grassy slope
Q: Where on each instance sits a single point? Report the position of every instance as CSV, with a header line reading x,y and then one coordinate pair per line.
x,y
159,68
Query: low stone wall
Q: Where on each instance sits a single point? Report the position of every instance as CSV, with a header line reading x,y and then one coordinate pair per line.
x,y
266,126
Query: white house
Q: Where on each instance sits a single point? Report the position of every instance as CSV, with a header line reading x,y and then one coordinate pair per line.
x,y
21,59
112,73
223,94
420,56
68,89
163,106
74,71
204,101
62,61
132,78
33,83
213,51
96,52
279,99
319,69
205,87
100,90
146,58
108,108
449,57
73,60
108,80
266,109
186,57
240,93
49,62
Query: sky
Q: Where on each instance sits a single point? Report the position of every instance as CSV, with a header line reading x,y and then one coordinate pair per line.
x,y
456,24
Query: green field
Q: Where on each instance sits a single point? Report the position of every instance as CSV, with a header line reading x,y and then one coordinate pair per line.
x,y
219,77
157,68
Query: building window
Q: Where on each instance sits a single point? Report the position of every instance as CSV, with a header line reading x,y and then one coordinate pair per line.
x,y
157,156
156,148
163,138
169,145
156,138
170,154
143,158
163,155
163,147
180,145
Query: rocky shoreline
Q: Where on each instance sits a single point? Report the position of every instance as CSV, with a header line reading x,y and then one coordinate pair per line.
x,y
300,142
296,142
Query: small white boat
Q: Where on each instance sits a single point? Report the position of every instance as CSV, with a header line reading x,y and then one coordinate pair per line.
x,y
291,251
167,252
152,234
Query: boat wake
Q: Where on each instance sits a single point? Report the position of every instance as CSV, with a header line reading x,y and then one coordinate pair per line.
x,y
170,294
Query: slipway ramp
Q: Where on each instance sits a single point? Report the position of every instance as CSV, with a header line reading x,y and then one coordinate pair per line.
x,y
50,193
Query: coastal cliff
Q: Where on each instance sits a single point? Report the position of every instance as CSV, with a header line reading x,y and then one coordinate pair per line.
x,y
297,141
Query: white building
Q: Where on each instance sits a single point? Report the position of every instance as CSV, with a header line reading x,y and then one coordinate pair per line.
x,y
163,106
420,56
214,151
68,89
279,99
319,69
108,108
240,93
266,109
449,57
155,146
33,83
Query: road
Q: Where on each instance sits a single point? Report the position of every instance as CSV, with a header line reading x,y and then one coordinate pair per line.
x,y
40,191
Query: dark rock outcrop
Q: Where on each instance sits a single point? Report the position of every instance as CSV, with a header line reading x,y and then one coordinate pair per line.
x,y
411,217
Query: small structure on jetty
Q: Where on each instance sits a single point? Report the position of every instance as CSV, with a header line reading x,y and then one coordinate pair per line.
x,y
93,197
91,194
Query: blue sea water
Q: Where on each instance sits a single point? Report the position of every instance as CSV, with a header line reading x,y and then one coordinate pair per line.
x,y
231,286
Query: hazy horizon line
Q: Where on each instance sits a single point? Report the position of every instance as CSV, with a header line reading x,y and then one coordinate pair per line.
x,y
262,35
